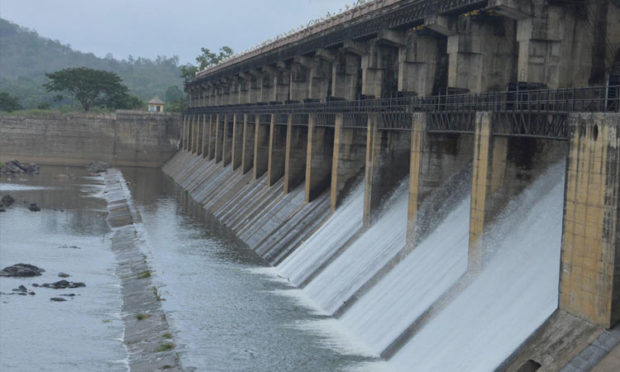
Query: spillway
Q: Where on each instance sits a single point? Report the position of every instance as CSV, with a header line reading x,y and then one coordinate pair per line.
x,y
364,257
326,241
513,295
383,313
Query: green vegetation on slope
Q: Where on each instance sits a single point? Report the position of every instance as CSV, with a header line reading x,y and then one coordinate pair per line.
x,y
25,58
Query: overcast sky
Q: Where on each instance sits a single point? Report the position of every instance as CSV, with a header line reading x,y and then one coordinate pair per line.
x,y
148,28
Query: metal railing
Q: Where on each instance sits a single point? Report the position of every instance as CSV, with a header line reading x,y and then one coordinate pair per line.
x,y
591,99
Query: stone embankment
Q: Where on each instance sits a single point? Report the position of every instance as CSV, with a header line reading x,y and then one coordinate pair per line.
x,y
123,138
147,335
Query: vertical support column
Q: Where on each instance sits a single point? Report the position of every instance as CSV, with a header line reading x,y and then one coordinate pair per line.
x,y
373,149
247,153
219,134
261,146
295,152
379,71
281,82
299,80
420,62
346,76
237,141
318,158
590,275
489,169
199,135
205,136
277,146
184,135
348,159
319,80
419,150
195,134
227,134
212,121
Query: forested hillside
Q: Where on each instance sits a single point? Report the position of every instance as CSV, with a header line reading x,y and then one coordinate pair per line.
x,y
25,57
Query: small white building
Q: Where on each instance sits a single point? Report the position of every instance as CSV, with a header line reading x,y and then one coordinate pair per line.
x,y
156,105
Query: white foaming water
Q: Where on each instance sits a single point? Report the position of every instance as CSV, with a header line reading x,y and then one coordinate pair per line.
x,y
364,258
334,233
416,282
513,295
19,187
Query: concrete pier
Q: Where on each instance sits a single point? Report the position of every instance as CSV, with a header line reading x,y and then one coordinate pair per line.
x,y
261,144
277,147
295,151
237,141
319,154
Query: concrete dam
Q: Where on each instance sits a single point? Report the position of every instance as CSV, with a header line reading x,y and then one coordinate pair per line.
x,y
440,178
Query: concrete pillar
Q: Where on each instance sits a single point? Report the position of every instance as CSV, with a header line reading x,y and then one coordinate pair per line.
x,y
195,134
261,144
205,136
184,133
387,163
247,152
295,151
299,79
349,155
419,150
590,275
237,141
212,127
319,154
219,136
347,76
421,63
320,75
482,54
227,134
199,135
380,70
277,147
266,84
281,83
253,88
243,90
489,168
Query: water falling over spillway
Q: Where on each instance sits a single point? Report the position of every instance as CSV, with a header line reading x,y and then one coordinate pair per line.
x,y
513,295
383,313
364,257
322,245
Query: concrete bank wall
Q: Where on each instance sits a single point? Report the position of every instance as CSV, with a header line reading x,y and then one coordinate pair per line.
x,y
124,138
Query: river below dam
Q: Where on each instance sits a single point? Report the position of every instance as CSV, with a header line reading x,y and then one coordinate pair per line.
x,y
225,313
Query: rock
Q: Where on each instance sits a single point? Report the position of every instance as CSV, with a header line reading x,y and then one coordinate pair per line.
x,y
15,167
69,246
63,275
21,270
62,284
7,200
58,299
34,207
68,294
35,284
21,288
2,210
97,167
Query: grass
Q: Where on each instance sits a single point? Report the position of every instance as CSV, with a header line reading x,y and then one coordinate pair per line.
x,y
1,164
144,275
167,335
165,347
142,316
157,296
106,320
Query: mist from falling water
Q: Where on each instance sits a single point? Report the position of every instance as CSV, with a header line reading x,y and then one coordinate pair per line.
x,y
364,257
511,297
332,235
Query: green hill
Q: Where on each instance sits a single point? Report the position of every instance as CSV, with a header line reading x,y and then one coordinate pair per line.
x,y
25,57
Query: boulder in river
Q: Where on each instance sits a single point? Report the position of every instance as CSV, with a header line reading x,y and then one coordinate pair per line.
x,y
15,167
62,284
34,207
63,275
21,270
7,200
58,299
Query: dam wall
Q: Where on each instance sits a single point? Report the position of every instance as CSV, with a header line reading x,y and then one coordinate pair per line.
x,y
437,175
123,138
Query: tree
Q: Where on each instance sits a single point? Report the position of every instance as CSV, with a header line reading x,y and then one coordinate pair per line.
x,y
206,59
9,103
90,87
